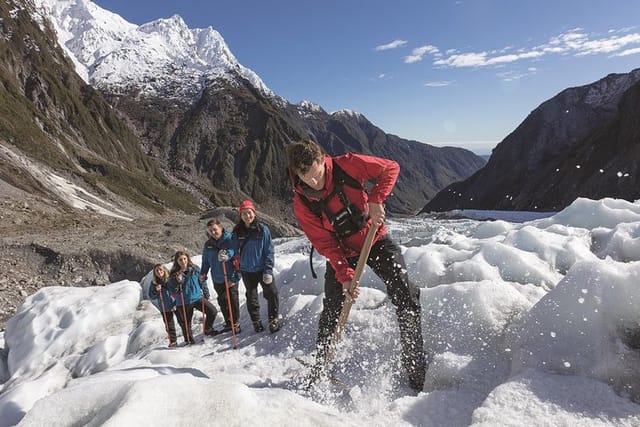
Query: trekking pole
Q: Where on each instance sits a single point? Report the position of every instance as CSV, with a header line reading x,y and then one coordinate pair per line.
x,y
164,316
346,307
233,324
204,315
187,325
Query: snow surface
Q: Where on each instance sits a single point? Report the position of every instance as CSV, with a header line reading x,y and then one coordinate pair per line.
x,y
532,323
163,57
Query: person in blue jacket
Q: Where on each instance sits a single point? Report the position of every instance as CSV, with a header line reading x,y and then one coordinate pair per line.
x,y
216,251
252,241
159,290
190,293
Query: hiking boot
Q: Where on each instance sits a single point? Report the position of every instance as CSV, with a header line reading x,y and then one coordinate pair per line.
x,y
257,326
173,344
213,332
227,328
274,325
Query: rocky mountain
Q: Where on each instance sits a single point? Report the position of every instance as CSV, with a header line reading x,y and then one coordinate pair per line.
x,y
213,124
57,132
583,142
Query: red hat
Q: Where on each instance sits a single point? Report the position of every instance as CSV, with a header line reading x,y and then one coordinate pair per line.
x,y
247,204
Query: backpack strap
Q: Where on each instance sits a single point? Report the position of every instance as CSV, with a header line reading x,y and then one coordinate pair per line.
x,y
342,177
313,272
315,207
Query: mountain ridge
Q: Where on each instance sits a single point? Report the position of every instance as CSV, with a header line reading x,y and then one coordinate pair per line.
x,y
542,164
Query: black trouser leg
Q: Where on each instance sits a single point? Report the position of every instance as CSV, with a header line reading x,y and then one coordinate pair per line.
x,y
185,324
332,306
170,325
270,293
210,312
221,290
387,262
251,281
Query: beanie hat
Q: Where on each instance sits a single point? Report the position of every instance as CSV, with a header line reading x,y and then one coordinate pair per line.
x,y
247,204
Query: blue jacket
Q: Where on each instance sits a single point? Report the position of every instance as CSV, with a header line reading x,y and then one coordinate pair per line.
x,y
167,300
210,259
192,289
254,247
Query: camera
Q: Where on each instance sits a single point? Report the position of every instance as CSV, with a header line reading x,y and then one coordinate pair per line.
x,y
348,221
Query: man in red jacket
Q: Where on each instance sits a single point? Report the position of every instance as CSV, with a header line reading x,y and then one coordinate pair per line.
x,y
335,212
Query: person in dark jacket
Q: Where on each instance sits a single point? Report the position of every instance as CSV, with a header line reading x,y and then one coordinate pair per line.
x,y
217,251
338,231
159,290
252,241
190,293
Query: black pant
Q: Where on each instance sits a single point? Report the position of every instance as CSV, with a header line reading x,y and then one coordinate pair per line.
x,y
269,292
221,290
387,262
169,325
209,311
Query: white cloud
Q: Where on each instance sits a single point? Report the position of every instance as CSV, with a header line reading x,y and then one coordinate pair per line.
x,y
418,53
382,76
476,59
393,45
609,45
629,52
512,75
573,42
439,83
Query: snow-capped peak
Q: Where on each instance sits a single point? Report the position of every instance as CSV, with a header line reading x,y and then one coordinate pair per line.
x,y
162,57
347,113
310,106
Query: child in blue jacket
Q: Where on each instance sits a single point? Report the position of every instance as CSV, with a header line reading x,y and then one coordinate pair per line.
x,y
190,293
159,290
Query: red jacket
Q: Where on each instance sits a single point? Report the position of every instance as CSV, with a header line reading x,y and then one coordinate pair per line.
x,y
319,230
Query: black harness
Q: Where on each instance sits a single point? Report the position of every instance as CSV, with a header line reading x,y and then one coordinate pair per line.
x,y
348,220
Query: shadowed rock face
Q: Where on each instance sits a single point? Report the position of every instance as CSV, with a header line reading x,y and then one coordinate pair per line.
x,y
584,142
230,145
51,121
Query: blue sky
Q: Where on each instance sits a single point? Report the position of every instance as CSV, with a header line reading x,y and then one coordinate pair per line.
x,y
462,73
